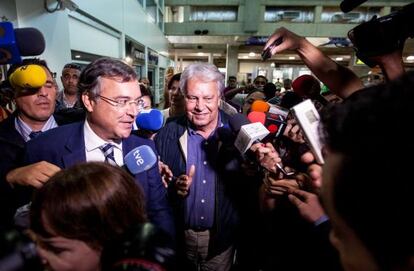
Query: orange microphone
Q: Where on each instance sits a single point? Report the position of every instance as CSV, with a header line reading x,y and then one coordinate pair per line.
x,y
260,106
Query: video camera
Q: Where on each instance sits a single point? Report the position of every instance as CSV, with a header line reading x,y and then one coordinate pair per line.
x,y
383,35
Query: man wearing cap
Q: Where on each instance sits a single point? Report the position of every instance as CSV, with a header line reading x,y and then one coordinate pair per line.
x,y
34,115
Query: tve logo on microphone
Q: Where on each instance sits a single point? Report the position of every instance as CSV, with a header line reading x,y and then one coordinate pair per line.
x,y
140,159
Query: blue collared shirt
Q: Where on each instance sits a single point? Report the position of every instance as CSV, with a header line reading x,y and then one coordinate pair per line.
x,y
200,202
24,130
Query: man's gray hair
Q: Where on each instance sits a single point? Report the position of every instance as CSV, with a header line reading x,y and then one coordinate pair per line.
x,y
204,72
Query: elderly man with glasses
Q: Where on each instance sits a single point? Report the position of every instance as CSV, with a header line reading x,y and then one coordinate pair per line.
x,y
111,96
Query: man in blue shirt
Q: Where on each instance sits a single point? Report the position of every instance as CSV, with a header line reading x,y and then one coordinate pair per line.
x,y
206,197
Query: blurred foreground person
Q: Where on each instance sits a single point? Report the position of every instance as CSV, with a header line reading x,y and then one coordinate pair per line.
x,y
81,209
367,187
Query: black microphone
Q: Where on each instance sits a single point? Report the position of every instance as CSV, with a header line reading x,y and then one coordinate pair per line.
x,y
348,5
15,43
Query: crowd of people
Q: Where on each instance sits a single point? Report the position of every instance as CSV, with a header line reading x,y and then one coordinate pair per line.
x,y
211,206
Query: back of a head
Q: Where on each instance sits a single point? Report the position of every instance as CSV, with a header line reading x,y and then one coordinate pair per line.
x,y
306,86
269,90
366,131
290,99
92,202
204,72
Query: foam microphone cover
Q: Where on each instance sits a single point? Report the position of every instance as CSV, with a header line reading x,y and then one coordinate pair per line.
x,y
30,41
150,120
28,76
257,117
260,106
140,159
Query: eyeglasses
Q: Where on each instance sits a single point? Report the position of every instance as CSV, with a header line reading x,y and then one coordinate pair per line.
x,y
122,103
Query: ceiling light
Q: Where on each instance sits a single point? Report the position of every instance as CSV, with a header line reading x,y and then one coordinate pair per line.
x,y
128,59
272,64
410,58
339,58
200,54
291,58
77,56
245,57
252,54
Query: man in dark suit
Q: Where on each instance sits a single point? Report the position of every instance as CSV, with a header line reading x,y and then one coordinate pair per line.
x,y
33,115
111,96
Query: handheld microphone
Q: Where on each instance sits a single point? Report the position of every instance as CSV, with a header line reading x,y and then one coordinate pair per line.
x,y
260,106
15,43
274,123
140,159
28,76
150,120
247,133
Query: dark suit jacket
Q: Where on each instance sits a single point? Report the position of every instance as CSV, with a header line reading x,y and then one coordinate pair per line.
x,y
12,150
65,146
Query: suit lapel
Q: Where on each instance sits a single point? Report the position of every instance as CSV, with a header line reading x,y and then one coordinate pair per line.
x,y
75,146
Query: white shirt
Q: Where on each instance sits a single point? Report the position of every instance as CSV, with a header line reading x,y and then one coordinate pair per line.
x,y
92,144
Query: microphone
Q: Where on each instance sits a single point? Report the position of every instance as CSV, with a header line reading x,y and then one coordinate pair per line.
x,y
260,106
140,159
348,5
15,43
28,76
150,120
274,123
247,133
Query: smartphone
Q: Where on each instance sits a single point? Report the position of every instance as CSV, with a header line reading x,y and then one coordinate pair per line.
x,y
308,119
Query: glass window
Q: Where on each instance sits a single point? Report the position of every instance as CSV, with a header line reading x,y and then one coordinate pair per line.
x,y
289,14
152,10
214,14
356,16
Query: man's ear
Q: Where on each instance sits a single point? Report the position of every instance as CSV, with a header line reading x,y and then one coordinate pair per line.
x,y
88,101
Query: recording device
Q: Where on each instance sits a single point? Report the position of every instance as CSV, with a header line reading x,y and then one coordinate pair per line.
x,y
144,247
28,76
15,43
18,253
383,35
266,54
247,133
140,159
307,117
150,120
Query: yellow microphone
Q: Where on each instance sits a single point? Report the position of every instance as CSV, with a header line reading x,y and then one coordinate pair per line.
x,y
28,76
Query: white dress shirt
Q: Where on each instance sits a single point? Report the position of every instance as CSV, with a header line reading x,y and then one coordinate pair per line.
x,y
92,144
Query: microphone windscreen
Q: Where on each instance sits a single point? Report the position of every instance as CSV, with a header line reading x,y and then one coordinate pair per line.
x,y
28,76
150,120
140,159
257,117
30,41
237,121
259,106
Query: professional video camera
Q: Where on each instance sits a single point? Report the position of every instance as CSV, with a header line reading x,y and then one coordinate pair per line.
x,y
18,253
383,35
